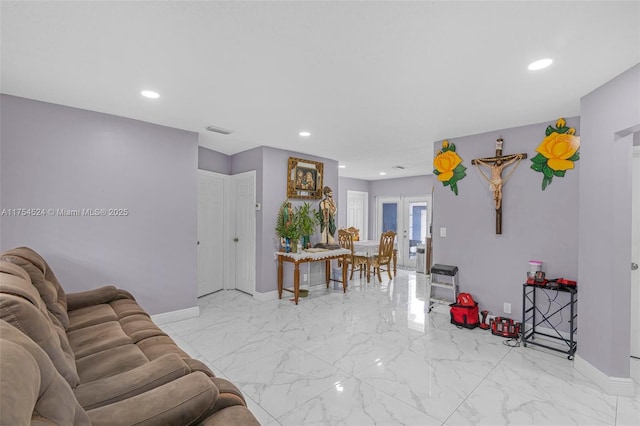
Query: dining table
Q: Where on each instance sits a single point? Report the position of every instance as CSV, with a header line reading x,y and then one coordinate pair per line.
x,y
370,248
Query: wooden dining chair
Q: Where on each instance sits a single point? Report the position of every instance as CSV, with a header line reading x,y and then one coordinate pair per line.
x,y
384,257
355,231
345,239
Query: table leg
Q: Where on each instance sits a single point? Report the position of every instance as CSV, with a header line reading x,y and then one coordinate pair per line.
x,y
279,277
344,274
327,271
296,282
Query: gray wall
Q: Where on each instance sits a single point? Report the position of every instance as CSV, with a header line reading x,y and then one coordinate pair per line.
x,y
409,186
536,224
608,115
213,161
65,158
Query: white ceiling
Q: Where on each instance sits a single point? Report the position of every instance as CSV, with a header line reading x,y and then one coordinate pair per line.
x,y
376,83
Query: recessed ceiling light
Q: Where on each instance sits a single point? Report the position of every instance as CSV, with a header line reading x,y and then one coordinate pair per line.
x,y
150,94
383,173
540,64
305,134
342,166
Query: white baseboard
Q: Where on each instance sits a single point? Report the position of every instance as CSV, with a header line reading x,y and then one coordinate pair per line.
x,y
265,297
617,386
173,316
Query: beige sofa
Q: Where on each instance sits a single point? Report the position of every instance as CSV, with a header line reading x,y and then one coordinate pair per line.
x,y
96,358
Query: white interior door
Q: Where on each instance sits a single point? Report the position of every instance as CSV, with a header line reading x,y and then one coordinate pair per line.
x,y
358,211
211,226
635,255
410,218
244,223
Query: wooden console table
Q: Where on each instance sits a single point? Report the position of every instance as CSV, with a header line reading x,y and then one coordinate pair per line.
x,y
305,257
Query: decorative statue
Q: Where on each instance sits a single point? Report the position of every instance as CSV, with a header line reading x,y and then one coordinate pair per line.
x,y
496,165
328,217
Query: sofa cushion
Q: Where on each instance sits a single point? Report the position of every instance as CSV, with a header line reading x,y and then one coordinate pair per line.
x,y
140,327
155,347
97,338
32,389
43,278
130,383
126,307
184,401
91,315
110,362
21,306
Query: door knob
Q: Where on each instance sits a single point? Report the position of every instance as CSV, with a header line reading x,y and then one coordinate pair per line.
x,y
634,266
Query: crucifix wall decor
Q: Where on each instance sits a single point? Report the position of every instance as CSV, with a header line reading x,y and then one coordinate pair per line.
x,y
496,165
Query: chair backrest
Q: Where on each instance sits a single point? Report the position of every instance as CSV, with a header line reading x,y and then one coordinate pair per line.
x,y
356,233
385,250
345,239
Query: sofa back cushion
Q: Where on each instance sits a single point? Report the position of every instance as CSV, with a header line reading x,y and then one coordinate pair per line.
x,y
33,392
22,307
44,280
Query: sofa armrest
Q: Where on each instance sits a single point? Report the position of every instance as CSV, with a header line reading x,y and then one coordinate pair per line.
x,y
96,296
130,383
184,401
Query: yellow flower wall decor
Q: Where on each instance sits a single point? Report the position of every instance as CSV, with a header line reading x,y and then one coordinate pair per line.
x,y
448,166
557,152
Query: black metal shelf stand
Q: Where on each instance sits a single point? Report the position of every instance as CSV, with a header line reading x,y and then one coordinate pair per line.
x,y
533,317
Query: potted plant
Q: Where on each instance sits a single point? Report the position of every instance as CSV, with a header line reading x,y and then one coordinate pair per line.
x,y
286,227
306,220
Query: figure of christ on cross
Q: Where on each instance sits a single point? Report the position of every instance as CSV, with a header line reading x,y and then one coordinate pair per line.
x,y
497,164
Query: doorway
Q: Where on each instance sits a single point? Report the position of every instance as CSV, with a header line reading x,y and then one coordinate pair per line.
x,y
226,232
635,254
243,223
212,210
410,218
358,211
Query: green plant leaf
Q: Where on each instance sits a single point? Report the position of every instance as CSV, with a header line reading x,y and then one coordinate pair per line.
x,y
548,172
435,172
454,188
459,168
446,183
564,129
545,182
559,173
453,180
452,147
459,175
537,167
574,157
539,159
549,130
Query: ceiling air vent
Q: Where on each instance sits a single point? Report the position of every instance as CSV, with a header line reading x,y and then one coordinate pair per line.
x,y
222,131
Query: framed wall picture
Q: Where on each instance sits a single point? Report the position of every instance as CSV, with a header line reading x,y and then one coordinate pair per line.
x,y
304,179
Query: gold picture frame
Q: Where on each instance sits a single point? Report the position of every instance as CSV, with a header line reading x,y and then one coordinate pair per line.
x,y
304,179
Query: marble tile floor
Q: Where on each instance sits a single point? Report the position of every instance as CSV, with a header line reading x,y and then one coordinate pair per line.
x,y
373,357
